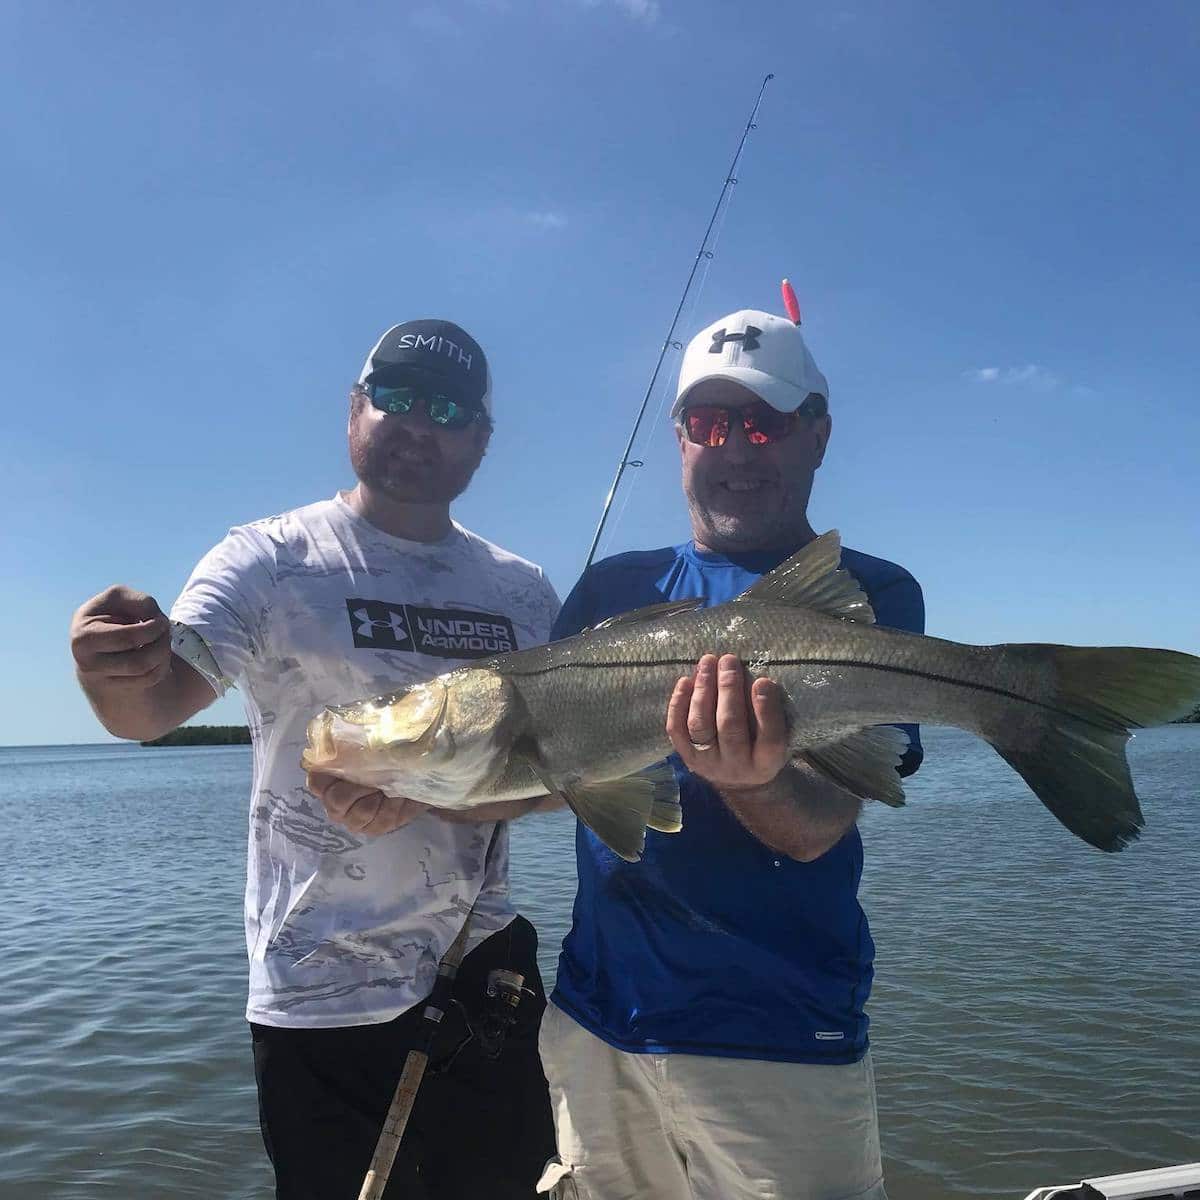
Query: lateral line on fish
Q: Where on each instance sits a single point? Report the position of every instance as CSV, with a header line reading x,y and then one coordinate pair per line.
x,y
828,662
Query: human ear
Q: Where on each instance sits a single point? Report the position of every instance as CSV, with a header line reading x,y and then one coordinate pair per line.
x,y
822,428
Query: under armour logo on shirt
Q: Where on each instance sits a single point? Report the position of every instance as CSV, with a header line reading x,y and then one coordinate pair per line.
x,y
440,632
379,625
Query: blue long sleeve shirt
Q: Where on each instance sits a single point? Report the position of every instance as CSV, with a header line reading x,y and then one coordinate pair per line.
x,y
714,943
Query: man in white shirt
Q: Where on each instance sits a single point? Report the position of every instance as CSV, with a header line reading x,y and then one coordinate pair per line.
x,y
352,897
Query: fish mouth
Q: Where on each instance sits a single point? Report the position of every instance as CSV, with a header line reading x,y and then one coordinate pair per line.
x,y
319,749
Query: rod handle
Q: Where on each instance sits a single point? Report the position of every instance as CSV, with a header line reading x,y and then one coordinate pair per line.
x,y
393,1126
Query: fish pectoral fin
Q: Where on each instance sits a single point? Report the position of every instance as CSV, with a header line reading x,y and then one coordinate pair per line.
x,y
813,578
618,811
865,763
668,608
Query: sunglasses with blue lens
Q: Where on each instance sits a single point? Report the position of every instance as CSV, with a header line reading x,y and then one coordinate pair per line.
x,y
442,410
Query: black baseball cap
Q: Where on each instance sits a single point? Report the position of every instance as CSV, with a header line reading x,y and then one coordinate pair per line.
x,y
436,348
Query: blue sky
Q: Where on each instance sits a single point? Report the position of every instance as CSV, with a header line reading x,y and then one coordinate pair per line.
x,y
989,212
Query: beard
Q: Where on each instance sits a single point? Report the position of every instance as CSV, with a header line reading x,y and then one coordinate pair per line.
x,y
767,515
413,472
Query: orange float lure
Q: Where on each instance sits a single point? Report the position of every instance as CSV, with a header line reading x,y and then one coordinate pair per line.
x,y
790,302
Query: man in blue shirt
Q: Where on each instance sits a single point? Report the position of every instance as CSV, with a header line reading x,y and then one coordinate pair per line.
x,y
707,1038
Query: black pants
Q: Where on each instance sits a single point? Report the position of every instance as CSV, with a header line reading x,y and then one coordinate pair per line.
x,y
480,1127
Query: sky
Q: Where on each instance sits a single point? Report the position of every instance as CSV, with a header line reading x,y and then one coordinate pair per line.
x,y
989,213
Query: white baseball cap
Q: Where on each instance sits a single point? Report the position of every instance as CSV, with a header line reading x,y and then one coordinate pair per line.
x,y
759,350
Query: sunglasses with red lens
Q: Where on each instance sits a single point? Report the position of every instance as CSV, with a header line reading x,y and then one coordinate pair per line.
x,y
709,424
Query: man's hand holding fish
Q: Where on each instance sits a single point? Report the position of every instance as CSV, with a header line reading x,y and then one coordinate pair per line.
x,y
743,751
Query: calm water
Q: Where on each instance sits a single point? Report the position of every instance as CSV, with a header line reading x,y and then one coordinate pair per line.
x,y
1036,1016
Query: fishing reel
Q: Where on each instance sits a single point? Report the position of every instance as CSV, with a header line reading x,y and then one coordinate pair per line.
x,y
502,999
489,1025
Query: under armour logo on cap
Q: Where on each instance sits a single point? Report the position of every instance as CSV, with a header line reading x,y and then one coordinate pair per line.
x,y
749,339
779,369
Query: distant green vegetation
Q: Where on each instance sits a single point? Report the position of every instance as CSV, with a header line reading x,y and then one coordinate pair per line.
x,y
1194,719
204,735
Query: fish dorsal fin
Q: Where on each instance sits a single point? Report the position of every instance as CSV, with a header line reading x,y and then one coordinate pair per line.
x,y
814,578
668,608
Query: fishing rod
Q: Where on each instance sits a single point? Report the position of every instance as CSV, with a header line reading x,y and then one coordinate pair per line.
x,y
503,986
671,343
417,1060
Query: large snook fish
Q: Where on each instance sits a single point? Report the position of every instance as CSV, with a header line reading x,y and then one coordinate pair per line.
x,y
584,717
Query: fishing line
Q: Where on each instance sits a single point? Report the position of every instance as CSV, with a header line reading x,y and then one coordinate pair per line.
x,y
664,391
703,255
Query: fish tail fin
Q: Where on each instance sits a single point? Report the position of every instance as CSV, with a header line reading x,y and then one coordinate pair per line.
x,y
1127,685
1075,761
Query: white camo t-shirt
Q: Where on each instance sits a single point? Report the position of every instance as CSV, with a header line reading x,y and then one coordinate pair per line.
x,y
319,607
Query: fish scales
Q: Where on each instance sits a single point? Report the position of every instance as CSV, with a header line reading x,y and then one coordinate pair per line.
x,y
585,717
837,675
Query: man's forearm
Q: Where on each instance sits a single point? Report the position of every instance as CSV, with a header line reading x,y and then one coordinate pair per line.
x,y
132,715
147,713
800,813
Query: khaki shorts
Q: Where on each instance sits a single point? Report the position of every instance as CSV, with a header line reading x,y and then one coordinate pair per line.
x,y
688,1127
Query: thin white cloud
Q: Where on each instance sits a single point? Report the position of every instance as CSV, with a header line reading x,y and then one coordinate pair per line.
x,y
442,19
433,18
1030,375
641,10
645,12
546,219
